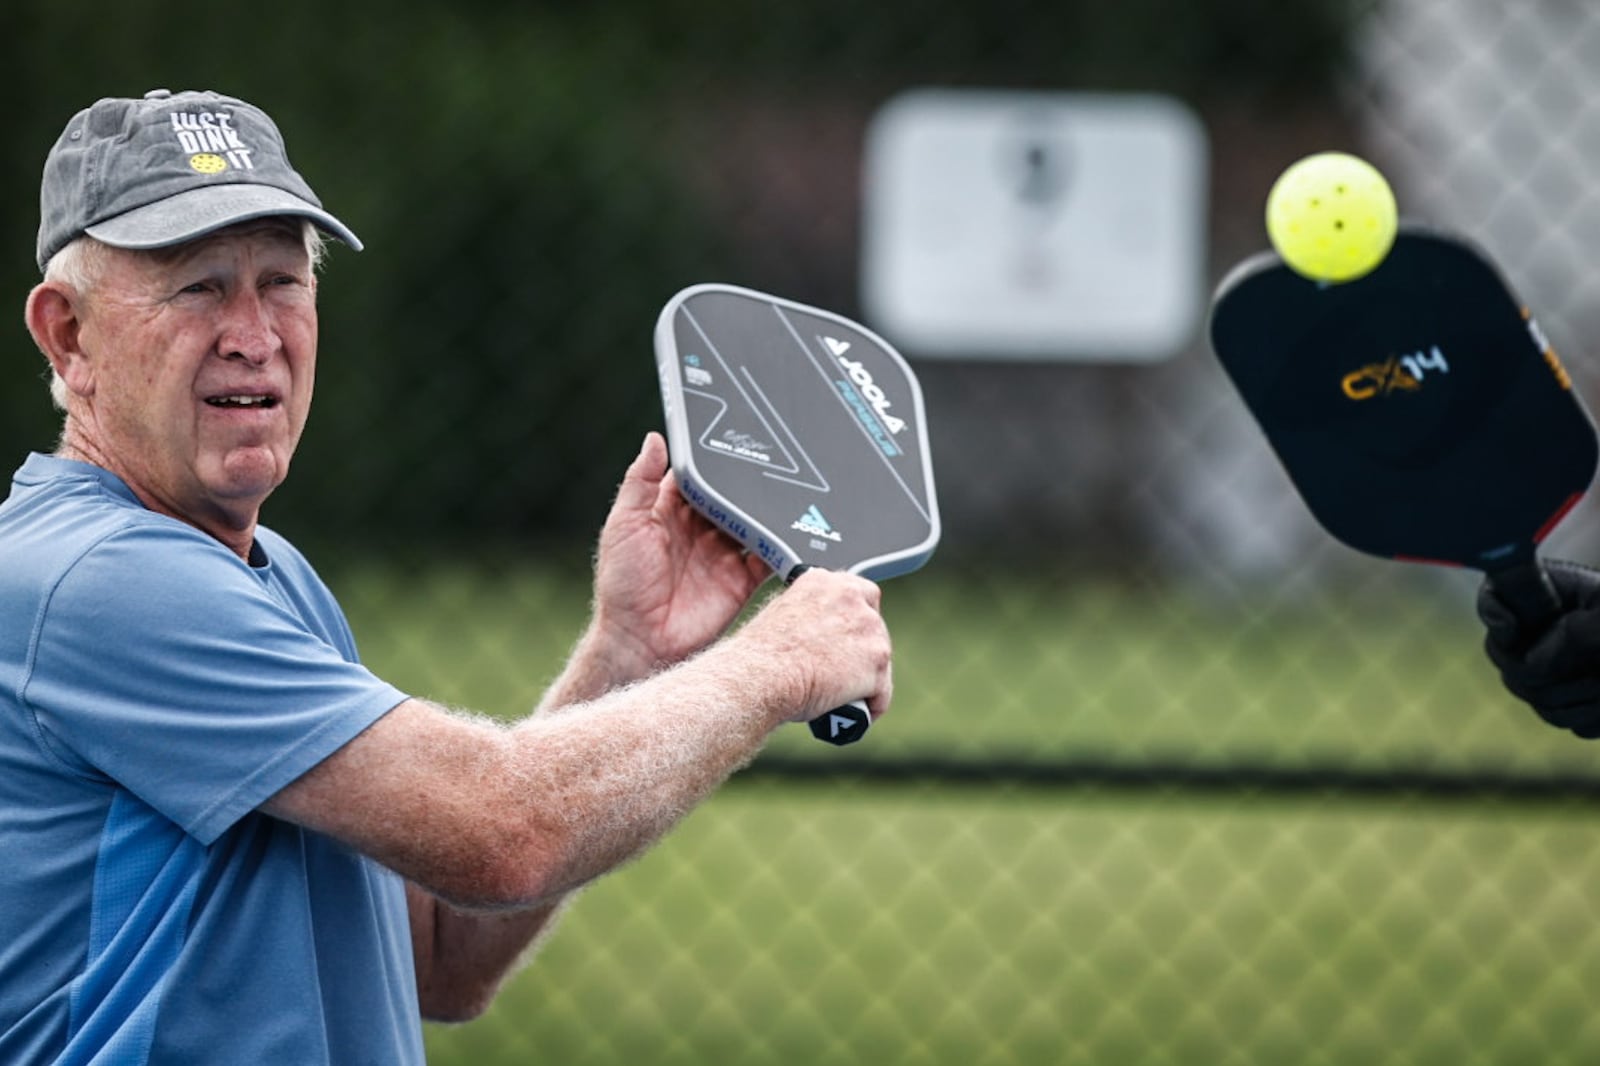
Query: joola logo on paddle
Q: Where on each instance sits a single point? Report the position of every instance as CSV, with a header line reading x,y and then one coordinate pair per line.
x,y
813,523
869,388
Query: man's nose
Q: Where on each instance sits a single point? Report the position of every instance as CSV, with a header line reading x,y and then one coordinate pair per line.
x,y
247,329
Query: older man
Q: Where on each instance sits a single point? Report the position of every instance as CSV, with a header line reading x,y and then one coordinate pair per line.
x,y
223,839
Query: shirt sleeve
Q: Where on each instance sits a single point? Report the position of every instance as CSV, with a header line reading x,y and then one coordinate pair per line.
x,y
166,664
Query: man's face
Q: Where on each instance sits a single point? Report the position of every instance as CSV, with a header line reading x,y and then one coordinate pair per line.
x,y
201,362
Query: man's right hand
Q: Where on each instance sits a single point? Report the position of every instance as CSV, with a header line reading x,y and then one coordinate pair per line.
x,y
827,629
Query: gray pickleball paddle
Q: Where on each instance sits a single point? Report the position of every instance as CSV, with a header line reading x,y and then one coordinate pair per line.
x,y
801,434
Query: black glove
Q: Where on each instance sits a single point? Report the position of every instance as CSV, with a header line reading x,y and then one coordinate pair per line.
x,y
1555,668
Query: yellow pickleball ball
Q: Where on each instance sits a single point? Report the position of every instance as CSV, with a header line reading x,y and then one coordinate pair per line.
x,y
1332,217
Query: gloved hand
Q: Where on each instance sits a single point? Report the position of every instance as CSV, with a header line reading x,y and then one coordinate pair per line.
x,y
1556,669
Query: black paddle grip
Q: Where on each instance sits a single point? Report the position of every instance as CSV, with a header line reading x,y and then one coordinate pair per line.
x,y
842,725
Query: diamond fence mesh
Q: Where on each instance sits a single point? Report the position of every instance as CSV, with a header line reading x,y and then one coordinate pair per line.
x,y
1170,777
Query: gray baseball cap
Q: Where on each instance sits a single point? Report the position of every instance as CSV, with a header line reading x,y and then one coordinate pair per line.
x,y
167,168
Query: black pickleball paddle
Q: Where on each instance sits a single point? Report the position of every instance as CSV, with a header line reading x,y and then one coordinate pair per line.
x,y
1418,410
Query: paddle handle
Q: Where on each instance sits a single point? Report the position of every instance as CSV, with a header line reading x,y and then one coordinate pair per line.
x,y
842,725
1526,591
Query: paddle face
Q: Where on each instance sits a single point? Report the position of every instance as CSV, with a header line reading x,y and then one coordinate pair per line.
x,y
802,435
1418,410
797,431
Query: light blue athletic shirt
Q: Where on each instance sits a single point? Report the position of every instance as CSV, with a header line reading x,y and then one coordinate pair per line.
x,y
154,690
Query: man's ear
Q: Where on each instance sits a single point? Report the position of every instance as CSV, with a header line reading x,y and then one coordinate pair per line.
x,y
53,315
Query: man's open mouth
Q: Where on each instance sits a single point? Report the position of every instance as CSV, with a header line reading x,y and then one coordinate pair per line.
x,y
243,400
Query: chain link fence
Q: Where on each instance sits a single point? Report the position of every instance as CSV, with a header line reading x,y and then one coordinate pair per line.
x,y
1170,778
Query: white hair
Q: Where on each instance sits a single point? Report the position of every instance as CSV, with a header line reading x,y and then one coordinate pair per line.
x,y
79,266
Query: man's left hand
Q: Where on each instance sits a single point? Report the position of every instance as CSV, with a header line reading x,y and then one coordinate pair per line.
x,y
667,582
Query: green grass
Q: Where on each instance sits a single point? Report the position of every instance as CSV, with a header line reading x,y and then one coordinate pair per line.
x,y
844,923
798,926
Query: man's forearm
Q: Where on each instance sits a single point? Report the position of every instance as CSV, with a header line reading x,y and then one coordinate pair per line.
x,y
462,957
598,663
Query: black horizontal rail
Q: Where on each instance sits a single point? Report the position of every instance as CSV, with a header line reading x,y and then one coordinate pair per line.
x,y
1227,779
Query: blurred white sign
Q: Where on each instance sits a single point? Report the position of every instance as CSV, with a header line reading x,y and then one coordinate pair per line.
x,y
1035,225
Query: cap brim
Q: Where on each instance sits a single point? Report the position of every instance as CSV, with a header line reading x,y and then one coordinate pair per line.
x,y
197,212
